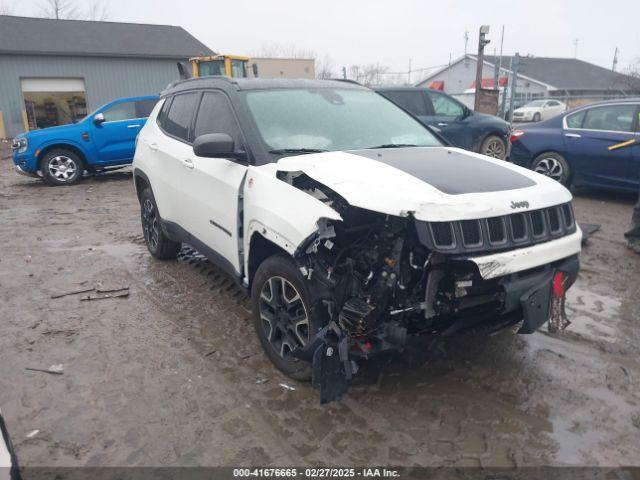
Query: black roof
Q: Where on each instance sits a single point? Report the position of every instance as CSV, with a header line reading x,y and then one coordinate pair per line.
x,y
33,36
569,73
259,84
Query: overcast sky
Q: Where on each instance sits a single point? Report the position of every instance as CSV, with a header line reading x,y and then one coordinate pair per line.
x,y
393,31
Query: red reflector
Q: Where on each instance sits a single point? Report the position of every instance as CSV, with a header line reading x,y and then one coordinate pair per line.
x,y
558,284
515,135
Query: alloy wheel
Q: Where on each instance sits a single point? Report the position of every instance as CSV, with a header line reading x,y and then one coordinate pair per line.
x,y
495,149
550,167
63,168
283,316
150,224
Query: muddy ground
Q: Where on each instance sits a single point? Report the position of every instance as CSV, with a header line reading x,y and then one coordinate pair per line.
x,y
173,374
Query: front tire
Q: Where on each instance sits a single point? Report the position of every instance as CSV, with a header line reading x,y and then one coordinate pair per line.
x,y
493,146
158,244
61,167
536,117
282,314
553,165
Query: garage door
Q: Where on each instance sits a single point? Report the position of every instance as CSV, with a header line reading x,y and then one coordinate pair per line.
x,y
53,101
52,85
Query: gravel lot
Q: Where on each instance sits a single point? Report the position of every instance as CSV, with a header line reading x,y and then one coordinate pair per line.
x,y
173,374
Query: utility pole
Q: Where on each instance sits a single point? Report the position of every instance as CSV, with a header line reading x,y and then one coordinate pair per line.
x,y
615,60
482,42
496,76
409,74
514,82
575,48
344,73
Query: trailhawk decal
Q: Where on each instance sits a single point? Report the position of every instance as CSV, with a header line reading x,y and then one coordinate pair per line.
x,y
452,173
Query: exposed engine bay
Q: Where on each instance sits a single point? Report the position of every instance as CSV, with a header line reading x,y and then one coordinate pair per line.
x,y
376,283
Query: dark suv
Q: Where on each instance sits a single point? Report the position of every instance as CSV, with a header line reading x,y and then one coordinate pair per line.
x,y
458,124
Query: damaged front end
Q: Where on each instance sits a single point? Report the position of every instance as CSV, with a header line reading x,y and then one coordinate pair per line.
x,y
377,280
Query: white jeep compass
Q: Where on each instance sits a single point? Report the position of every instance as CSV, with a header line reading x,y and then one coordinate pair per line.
x,y
353,226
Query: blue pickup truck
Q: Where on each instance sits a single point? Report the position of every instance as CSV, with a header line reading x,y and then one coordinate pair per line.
x,y
101,141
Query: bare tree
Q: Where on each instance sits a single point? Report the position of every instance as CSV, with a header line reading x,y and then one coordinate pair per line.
x,y
97,10
324,68
370,74
59,9
6,8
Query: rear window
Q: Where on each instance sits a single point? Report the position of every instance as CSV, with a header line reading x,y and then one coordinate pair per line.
x,y
412,101
178,119
575,120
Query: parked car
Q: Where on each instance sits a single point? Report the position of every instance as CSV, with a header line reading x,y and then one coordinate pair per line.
x,y
351,225
538,110
595,145
458,124
101,141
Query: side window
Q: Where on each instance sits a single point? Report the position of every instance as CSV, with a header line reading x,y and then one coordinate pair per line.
x,y
444,106
120,111
179,116
162,115
144,107
618,118
411,101
575,119
216,116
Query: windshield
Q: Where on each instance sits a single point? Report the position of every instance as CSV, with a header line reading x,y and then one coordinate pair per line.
x,y
333,119
536,103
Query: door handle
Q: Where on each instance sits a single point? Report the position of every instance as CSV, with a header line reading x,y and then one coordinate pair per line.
x,y
153,146
442,124
187,162
573,135
133,126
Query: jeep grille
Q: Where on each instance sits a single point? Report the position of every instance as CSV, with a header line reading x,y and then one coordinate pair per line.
x,y
499,233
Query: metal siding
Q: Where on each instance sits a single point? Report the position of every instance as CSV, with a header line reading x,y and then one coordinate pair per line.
x,y
106,78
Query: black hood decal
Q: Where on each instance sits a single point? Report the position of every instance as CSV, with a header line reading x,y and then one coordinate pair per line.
x,y
450,172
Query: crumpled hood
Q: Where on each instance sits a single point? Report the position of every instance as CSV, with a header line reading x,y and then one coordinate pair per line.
x,y
432,183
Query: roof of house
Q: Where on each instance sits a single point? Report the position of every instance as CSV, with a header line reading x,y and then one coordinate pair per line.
x,y
559,73
33,36
570,73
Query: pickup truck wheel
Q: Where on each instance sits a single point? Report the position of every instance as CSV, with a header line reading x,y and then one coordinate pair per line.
x,y
552,165
61,167
494,146
282,314
158,244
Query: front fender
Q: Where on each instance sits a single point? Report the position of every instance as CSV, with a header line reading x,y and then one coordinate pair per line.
x,y
278,211
33,160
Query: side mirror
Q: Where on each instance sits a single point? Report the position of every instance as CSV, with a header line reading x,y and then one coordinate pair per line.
x,y
98,118
216,145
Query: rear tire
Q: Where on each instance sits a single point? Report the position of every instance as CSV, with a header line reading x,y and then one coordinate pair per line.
x,y
61,167
282,314
553,165
493,146
158,244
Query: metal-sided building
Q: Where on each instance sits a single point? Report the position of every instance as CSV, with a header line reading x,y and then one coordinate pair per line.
x,y
54,72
